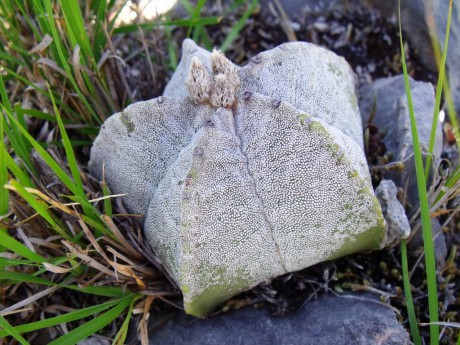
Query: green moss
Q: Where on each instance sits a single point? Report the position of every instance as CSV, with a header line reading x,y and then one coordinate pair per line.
x,y
333,68
373,237
302,118
340,159
353,174
335,148
316,126
370,239
347,207
130,126
352,98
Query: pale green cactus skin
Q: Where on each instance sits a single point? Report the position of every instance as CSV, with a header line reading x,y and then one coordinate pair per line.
x,y
235,196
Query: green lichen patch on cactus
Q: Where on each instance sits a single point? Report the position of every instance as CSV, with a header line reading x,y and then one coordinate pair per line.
x,y
371,239
237,183
127,122
204,303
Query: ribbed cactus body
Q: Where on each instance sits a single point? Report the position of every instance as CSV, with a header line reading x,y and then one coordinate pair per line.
x,y
265,177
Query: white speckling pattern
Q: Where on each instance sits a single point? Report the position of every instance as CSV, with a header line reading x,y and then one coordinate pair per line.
x,y
220,220
144,135
299,171
312,79
237,195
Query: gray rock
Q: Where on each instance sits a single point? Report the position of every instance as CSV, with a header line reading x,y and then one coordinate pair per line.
x,y
393,211
438,9
392,114
358,319
415,16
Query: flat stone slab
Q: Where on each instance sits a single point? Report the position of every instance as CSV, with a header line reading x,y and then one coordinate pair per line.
x,y
358,319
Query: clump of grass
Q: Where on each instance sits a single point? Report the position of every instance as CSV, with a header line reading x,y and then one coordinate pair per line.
x,y
446,191
70,55
70,239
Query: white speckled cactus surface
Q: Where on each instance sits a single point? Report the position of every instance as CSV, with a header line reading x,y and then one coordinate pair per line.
x,y
245,173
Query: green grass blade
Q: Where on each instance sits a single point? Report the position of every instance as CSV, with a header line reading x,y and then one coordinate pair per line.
x,y
11,34
4,262
123,332
179,22
35,113
408,295
76,29
91,327
23,277
28,18
425,211
172,56
107,202
68,148
61,104
196,16
188,6
41,209
64,59
11,59
3,171
233,34
11,331
14,75
105,291
450,183
20,175
452,113
68,317
45,23
17,143
68,182
442,69
61,174
77,33
116,14
12,132
99,33
98,226
17,247
205,39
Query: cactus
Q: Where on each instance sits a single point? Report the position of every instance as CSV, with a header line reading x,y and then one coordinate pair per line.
x,y
244,174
